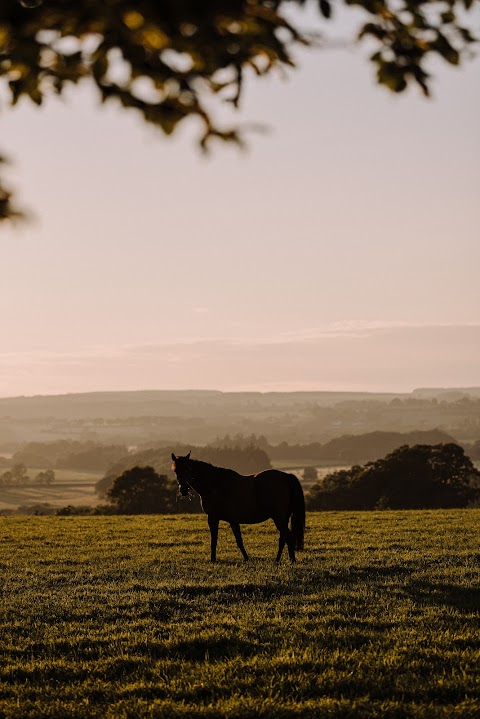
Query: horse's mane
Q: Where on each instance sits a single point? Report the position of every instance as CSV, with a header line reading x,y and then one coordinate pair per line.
x,y
205,464
202,466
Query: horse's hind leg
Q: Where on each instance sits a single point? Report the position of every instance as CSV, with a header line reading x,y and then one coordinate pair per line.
x,y
213,525
286,538
238,538
281,544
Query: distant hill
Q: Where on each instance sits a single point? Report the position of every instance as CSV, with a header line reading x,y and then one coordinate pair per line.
x,y
180,402
104,404
347,449
373,445
445,393
200,416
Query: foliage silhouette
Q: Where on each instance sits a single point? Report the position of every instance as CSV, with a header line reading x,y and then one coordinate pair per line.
x,y
193,51
419,477
141,490
310,474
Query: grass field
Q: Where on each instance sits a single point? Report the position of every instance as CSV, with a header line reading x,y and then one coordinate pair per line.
x,y
124,617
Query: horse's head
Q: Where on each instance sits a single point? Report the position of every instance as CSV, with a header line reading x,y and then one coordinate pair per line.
x,y
182,468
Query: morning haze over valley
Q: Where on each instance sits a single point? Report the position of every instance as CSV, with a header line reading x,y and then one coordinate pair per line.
x,y
83,438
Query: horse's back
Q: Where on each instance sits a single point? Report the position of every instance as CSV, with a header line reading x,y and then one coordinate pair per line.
x,y
248,499
273,476
273,489
238,501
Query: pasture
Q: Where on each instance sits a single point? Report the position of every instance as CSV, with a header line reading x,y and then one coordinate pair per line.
x,y
70,487
125,617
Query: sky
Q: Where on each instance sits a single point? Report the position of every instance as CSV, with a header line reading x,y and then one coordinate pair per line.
x,y
339,252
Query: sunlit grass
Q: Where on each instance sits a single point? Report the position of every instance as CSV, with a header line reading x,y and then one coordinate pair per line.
x,y
125,617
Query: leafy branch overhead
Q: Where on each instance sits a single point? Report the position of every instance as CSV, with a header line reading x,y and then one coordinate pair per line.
x,y
168,59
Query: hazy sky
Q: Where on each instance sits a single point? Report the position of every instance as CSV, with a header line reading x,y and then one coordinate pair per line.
x,y
340,252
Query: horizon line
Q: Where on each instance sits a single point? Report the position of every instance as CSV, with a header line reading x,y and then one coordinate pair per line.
x,y
432,388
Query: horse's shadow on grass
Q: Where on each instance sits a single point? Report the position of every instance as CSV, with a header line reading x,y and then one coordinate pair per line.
x,y
464,599
362,574
211,649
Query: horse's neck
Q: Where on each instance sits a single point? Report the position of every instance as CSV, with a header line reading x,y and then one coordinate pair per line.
x,y
207,477
199,477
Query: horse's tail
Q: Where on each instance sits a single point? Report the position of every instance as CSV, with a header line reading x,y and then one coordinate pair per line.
x,y
298,513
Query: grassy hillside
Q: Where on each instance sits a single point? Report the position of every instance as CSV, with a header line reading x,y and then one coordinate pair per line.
x,y
125,617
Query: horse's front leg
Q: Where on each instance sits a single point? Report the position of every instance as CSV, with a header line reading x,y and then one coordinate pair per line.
x,y
213,524
238,538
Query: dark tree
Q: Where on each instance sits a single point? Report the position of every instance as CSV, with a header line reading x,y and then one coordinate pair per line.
x,y
191,51
141,490
46,477
423,476
6,479
310,474
19,473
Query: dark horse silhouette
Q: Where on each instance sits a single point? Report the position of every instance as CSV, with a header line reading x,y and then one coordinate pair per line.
x,y
237,499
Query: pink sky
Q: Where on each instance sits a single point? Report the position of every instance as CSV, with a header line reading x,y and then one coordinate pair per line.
x,y
340,252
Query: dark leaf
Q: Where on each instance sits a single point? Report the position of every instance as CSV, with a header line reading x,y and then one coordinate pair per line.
x,y
325,8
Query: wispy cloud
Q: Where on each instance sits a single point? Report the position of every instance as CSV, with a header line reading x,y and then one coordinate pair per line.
x,y
358,355
363,328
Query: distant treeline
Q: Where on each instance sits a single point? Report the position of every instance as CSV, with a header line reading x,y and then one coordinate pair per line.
x,y
70,454
347,448
18,476
227,451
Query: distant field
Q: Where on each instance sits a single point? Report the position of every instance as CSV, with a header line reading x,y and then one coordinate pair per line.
x,y
298,465
106,617
69,487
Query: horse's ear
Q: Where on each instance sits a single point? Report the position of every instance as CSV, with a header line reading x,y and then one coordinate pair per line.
x,y
188,455
173,457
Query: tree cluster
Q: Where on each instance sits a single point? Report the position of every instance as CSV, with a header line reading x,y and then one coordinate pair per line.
x,y
140,490
187,53
18,476
418,477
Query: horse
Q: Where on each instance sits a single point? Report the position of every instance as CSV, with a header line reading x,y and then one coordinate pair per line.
x,y
239,499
